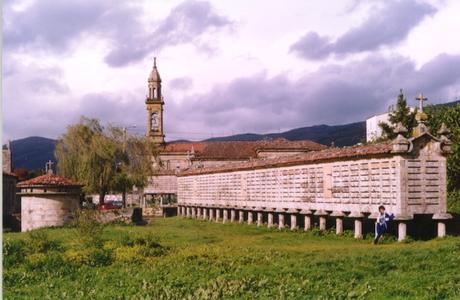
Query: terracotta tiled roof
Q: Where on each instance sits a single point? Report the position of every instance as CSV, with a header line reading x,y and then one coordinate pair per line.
x,y
240,149
49,180
313,156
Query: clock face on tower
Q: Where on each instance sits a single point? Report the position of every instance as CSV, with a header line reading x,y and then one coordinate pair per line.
x,y
154,121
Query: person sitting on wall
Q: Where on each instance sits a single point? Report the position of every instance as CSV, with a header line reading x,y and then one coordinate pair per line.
x,y
381,224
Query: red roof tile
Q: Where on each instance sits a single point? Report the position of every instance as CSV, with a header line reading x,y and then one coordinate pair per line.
x,y
49,180
313,156
240,149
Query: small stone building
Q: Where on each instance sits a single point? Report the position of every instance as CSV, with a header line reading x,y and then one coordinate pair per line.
x,y
48,200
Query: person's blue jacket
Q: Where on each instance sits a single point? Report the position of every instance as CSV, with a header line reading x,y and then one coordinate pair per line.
x,y
381,225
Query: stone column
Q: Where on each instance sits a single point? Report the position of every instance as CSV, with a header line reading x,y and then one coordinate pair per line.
x,y
259,216
358,224
293,213
442,218
217,214
338,221
402,226
270,217
232,215
250,216
205,213
225,215
198,213
189,212
241,216
280,212
307,218
322,219
193,212
211,214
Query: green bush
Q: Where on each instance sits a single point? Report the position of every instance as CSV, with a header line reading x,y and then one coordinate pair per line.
x,y
129,254
453,201
51,262
88,227
13,252
39,242
94,257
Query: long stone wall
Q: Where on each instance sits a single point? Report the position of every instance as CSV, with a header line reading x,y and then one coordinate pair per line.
x,y
350,182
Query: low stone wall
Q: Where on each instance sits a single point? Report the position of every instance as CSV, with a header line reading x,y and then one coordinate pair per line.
x,y
47,210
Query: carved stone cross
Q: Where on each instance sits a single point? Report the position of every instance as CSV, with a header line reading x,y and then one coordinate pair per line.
x,y
421,98
49,167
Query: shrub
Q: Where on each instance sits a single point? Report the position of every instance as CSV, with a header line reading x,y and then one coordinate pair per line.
x,y
51,262
129,254
89,227
453,201
13,252
94,257
149,246
39,242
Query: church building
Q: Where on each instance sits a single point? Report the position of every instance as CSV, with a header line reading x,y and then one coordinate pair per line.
x,y
177,157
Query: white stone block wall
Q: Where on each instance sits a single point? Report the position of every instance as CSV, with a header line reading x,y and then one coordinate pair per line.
x,y
47,210
405,185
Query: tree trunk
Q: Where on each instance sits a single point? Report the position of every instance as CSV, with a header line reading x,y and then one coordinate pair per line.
x,y
102,193
123,198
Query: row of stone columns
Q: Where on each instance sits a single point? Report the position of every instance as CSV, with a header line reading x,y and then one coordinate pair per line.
x,y
214,214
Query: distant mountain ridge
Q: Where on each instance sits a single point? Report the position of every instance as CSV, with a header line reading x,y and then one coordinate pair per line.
x,y
339,135
32,152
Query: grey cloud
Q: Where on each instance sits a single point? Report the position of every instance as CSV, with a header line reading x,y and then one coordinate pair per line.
x,y
181,83
49,25
334,94
384,27
185,24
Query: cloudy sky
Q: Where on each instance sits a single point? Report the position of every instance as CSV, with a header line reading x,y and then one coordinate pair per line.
x,y
227,66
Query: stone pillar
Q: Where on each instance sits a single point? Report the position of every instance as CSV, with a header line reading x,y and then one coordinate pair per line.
x,y
270,218
259,216
250,217
322,219
189,212
338,221
193,212
205,213
293,213
225,216
198,213
442,218
358,224
307,218
232,215
402,226
241,216
217,214
280,212
211,214
402,231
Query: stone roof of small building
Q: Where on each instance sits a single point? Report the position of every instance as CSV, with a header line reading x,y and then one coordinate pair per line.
x,y
240,149
309,157
49,180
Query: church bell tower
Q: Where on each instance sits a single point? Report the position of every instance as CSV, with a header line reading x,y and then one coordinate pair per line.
x,y
154,103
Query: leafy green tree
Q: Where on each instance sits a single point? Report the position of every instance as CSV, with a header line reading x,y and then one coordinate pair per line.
x,y
136,167
401,114
102,158
450,115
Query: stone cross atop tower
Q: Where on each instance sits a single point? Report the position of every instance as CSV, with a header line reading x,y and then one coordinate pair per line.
x,y
154,103
421,99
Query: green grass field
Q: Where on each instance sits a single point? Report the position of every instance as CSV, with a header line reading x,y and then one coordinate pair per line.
x,y
203,260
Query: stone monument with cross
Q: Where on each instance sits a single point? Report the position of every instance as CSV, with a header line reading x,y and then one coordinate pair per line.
x,y
49,167
421,117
